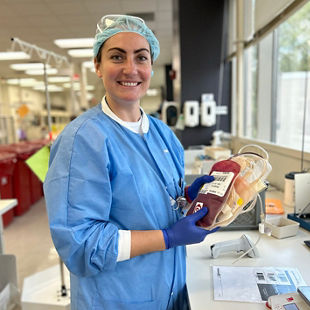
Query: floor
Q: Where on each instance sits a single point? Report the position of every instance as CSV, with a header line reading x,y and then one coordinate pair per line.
x,y
28,238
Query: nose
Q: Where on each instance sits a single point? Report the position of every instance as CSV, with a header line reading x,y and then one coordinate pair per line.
x,y
130,67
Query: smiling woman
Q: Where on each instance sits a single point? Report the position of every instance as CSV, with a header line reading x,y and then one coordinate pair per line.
x,y
125,68
114,178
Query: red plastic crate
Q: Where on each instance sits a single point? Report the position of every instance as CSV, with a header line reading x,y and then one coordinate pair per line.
x,y
21,176
7,165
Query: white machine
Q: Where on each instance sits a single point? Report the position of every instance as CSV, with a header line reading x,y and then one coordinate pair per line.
x,y
170,113
302,188
291,301
191,113
244,244
208,110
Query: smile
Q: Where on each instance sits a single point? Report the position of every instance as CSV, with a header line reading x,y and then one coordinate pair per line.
x,y
129,84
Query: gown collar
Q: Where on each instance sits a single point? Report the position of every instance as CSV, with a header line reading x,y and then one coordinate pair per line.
x,y
142,126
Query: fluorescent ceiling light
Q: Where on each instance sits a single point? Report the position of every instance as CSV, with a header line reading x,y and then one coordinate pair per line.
x,y
41,71
89,96
77,86
13,55
28,66
74,43
22,82
51,88
152,92
59,79
88,64
81,52
90,87
68,85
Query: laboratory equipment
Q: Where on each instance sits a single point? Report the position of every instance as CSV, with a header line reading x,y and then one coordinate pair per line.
x,y
304,292
191,113
244,244
290,301
217,152
208,110
289,189
302,200
9,293
282,227
217,134
169,113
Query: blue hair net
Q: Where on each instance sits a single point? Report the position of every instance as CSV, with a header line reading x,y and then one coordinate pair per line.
x,y
109,25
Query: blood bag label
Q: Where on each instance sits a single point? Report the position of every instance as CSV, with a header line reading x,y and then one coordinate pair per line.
x,y
220,184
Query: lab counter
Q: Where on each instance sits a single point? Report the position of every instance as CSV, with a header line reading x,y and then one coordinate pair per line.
x,y
289,252
5,205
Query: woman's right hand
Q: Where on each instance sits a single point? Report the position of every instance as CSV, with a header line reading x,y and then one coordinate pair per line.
x,y
185,231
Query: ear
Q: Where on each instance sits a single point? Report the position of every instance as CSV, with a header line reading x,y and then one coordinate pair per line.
x,y
97,68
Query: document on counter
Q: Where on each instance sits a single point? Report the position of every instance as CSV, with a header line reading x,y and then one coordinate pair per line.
x,y
254,284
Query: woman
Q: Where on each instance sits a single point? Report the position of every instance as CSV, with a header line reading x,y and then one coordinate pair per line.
x,y
114,176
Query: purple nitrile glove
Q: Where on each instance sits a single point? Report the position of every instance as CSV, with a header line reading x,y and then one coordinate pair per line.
x,y
185,230
193,189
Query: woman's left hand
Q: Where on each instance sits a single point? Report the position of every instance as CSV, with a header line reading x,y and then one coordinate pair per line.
x,y
193,189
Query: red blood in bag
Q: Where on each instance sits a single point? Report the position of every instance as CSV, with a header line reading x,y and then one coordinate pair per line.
x,y
212,201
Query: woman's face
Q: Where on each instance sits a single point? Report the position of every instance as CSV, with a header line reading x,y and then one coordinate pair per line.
x,y
125,67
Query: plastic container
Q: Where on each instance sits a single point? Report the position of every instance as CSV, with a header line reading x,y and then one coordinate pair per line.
x,y
7,165
21,176
217,152
282,227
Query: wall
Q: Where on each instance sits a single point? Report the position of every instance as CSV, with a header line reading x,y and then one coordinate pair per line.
x,y
197,53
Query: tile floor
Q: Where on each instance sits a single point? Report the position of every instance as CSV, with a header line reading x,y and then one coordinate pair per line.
x,y
28,238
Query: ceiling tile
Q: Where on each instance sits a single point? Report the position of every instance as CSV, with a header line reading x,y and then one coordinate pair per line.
x,y
133,6
67,8
31,9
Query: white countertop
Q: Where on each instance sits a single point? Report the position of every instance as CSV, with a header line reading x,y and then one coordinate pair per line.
x,y
288,252
7,204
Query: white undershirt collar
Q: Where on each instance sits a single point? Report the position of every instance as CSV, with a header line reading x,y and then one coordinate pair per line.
x,y
140,127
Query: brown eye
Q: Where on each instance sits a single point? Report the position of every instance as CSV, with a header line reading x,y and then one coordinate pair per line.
x,y
116,57
142,58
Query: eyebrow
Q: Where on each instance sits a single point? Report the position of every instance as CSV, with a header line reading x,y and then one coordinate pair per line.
x,y
123,51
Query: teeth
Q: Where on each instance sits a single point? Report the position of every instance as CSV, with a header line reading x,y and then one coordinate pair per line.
x,y
129,83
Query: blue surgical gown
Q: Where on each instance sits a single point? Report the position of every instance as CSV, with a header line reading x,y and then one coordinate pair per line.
x,y
103,177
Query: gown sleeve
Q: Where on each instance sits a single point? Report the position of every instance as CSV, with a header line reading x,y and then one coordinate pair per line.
x,y
78,197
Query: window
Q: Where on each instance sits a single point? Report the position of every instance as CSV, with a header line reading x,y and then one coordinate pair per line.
x,y
293,81
250,92
277,84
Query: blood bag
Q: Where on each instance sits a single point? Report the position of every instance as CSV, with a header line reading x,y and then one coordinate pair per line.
x,y
237,182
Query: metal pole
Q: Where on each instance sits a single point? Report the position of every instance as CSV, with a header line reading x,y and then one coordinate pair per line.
x,y
63,289
304,123
48,106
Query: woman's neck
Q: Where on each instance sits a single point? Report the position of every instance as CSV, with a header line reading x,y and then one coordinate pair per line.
x,y
128,112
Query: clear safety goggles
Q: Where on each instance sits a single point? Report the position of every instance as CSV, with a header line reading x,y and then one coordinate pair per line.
x,y
109,20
